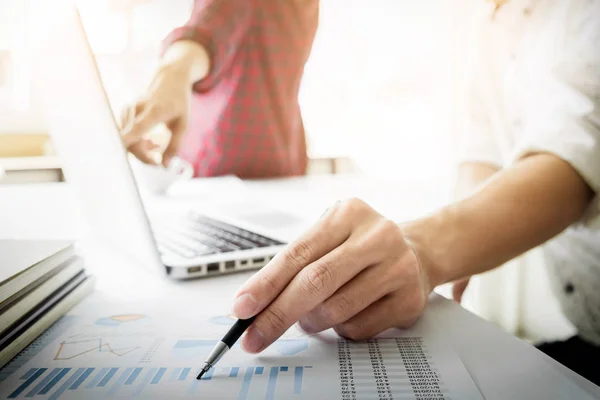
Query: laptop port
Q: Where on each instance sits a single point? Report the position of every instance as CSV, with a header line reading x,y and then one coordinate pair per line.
x,y
258,260
192,270
212,267
230,265
243,262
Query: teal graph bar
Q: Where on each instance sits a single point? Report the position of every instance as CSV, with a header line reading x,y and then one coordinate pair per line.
x,y
81,379
272,383
158,376
44,382
30,379
29,373
133,375
184,374
146,381
68,383
108,377
119,383
97,378
298,374
55,380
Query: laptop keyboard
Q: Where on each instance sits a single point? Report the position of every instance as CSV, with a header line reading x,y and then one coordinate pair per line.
x,y
197,235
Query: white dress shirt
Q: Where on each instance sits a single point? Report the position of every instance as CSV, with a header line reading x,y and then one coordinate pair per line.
x,y
535,86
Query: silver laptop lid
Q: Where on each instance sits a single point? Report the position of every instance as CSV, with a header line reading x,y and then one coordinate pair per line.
x,y
86,137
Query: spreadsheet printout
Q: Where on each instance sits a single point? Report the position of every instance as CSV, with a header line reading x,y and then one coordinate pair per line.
x,y
144,352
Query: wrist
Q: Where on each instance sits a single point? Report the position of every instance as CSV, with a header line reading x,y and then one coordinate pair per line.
x,y
431,239
186,59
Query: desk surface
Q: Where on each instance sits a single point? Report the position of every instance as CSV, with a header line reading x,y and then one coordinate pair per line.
x,y
495,359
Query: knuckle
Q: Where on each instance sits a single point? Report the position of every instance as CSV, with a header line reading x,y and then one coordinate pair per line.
x,y
337,311
317,279
388,233
352,206
273,319
269,283
352,331
298,254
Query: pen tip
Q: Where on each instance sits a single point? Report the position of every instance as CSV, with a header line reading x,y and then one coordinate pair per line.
x,y
200,375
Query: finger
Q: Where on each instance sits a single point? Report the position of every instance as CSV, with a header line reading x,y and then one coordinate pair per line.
x,y
310,287
143,151
458,289
368,287
260,290
147,119
178,129
127,118
378,317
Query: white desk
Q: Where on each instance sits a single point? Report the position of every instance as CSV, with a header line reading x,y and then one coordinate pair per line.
x,y
492,357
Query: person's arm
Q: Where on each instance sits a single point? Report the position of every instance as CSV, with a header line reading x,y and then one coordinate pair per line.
x,y
520,208
194,56
469,177
361,274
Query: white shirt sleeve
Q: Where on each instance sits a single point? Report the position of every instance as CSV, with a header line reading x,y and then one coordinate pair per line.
x,y
477,141
564,118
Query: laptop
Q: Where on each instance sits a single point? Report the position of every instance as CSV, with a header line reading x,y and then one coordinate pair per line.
x,y
86,136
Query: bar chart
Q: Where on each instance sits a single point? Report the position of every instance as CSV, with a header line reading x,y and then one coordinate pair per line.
x,y
54,383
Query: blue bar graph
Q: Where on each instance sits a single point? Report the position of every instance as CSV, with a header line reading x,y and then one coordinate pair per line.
x,y
30,379
53,383
133,375
184,374
81,379
97,378
122,378
108,377
44,382
55,380
158,376
68,383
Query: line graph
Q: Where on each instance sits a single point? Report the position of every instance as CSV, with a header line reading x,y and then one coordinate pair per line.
x,y
73,349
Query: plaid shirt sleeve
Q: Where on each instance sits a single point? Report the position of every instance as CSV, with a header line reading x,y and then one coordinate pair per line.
x,y
218,25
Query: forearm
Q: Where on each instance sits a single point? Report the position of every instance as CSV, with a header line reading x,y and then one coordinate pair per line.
x,y
518,209
188,58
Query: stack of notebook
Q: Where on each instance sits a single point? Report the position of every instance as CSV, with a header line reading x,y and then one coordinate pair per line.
x,y
39,282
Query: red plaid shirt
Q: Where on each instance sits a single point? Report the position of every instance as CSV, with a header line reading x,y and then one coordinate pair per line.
x,y
245,117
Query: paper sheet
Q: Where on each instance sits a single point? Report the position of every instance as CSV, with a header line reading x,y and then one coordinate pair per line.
x,y
128,352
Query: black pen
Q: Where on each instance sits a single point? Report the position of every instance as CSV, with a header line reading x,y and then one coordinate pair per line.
x,y
225,344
